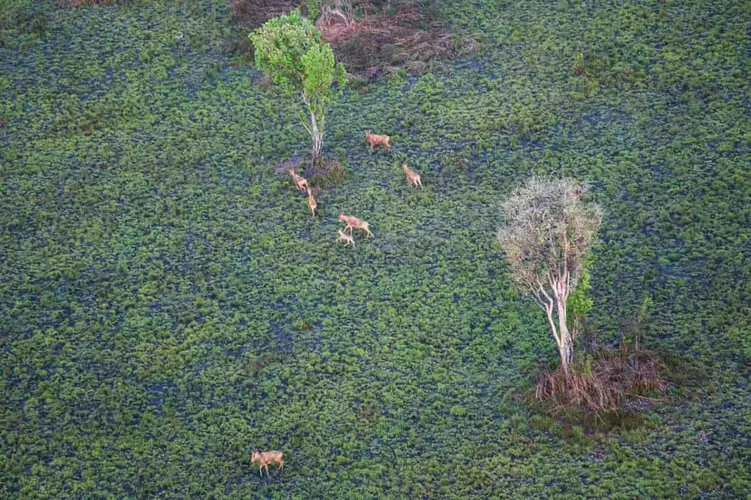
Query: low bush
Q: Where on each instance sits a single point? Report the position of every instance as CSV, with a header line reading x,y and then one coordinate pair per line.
x,y
327,173
609,383
17,19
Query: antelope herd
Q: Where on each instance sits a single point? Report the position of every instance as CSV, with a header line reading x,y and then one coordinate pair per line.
x,y
351,222
264,458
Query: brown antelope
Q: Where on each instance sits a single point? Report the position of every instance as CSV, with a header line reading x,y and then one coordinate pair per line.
x,y
264,458
412,176
346,238
312,203
354,222
377,140
300,183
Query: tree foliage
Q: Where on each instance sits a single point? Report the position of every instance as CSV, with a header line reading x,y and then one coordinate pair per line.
x,y
548,232
289,49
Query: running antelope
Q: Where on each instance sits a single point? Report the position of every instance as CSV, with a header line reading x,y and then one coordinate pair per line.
x,y
355,223
264,458
377,140
346,238
312,203
300,183
412,176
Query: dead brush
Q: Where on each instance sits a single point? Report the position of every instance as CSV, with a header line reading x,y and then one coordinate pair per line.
x,y
369,38
423,47
581,389
603,384
404,34
327,173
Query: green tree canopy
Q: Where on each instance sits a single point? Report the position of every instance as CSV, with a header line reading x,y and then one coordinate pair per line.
x,y
290,50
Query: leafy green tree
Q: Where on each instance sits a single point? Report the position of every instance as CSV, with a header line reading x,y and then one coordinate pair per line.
x,y
289,49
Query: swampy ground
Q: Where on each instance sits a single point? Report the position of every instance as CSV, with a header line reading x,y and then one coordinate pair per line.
x,y
167,303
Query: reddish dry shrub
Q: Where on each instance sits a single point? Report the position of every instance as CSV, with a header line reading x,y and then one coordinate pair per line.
x,y
604,384
406,35
371,39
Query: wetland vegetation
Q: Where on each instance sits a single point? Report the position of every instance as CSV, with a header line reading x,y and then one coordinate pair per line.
x,y
168,304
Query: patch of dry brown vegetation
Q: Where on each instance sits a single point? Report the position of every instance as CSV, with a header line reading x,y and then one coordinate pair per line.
x,y
608,383
380,41
327,173
370,38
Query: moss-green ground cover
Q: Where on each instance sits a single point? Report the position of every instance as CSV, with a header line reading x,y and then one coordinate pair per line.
x,y
167,303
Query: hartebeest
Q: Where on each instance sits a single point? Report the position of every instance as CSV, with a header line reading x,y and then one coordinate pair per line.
x,y
354,222
300,183
264,458
346,238
412,176
377,140
312,203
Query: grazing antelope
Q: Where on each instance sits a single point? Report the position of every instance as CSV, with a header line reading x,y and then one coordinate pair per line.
x,y
354,222
264,458
312,203
412,176
377,140
300,183
346,238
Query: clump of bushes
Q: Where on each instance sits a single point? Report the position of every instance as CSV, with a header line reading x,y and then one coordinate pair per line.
x,y
606,383
380,39
19,19
327,173
594,72
370,38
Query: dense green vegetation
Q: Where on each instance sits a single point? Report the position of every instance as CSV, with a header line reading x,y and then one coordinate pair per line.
x,y
289,50
167,303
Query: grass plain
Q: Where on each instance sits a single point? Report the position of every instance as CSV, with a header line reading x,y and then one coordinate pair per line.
x,y
167,303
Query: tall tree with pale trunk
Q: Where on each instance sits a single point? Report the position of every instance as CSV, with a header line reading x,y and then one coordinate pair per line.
x,y
289,49
549,228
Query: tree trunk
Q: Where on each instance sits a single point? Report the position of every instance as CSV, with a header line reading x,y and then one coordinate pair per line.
x,y
566,350
317,136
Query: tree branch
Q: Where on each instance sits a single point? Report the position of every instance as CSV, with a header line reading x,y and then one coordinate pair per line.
x,y
549,312
304,121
